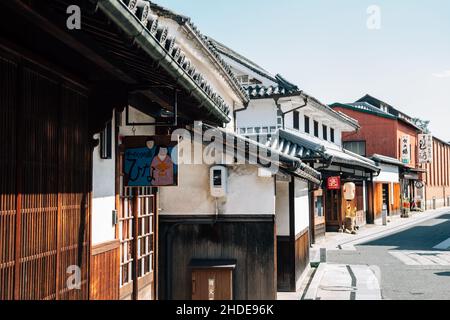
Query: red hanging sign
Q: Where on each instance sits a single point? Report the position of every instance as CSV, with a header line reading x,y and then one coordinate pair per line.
x,y
334,183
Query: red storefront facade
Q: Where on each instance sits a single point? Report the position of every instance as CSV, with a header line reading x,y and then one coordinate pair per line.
x,y
382,130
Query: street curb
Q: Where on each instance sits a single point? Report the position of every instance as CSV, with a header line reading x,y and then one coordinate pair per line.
x,y
301,279
311,294
379,234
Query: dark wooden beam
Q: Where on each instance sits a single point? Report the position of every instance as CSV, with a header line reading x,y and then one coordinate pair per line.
x,y
68,39
104,98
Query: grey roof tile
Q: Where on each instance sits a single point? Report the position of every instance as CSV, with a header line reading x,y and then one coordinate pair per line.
x,y
205,40
142,9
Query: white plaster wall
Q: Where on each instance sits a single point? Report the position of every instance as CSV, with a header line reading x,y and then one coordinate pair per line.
x,y
136,116
202,63
247,193
103,196
388,173
289,120
259,113
263,112
318,116
365,196
191,196
282,208
103,179
239,69
301,205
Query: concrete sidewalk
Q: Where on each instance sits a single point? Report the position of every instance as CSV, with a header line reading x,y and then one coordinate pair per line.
x,y
344,282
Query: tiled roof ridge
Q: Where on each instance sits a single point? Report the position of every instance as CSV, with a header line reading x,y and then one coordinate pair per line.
x,y
261,91
389,105
204,39
282,87
356,106
365,103
240,59
142,11
285,83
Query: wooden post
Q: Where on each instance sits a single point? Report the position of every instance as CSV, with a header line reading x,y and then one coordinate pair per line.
x,y
370,201
118,171
155,243
19,168
312,231
59,198
135,192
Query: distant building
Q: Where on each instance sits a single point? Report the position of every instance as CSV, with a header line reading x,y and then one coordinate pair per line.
x,y
73,102
437,178
284,117
390,138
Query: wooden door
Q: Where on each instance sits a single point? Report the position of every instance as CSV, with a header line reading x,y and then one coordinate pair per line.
x,y
378,199
317,215
45,168
385,198
212,284
333,209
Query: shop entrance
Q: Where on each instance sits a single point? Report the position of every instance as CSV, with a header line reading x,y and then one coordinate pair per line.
x,y
332,210
385,198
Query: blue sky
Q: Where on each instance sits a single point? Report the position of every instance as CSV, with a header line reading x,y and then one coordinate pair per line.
x,y
325,47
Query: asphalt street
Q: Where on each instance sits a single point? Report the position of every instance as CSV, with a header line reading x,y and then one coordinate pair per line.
x,y
413,263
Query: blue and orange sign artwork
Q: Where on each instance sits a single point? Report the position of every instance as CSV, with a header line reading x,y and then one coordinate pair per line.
x,y
150,161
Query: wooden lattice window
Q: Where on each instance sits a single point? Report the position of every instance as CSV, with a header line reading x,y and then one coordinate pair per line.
x,y
137,217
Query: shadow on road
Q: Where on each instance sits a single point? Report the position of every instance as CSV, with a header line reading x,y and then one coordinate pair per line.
x,y
443,274
419,237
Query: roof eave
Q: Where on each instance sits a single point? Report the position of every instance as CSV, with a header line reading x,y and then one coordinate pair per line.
x,y
238,90
353,125
127,21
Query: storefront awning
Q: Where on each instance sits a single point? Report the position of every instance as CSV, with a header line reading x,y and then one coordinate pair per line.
x,y
412,173
305,147
378,158
286,163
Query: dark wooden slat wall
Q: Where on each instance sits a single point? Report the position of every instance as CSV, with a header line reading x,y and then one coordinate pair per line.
x,y
37,158
45,183
250,243
293,258
285,263
75,183
301,253
105,262
8,96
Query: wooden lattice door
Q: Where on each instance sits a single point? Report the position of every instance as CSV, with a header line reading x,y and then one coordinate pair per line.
x,y
45,183
137,217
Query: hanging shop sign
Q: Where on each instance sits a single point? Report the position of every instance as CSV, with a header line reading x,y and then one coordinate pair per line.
x,y
419,184
425,148
405,149
334,183
150,161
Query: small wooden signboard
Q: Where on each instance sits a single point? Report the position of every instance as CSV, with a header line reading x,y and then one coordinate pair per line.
x,y
150,161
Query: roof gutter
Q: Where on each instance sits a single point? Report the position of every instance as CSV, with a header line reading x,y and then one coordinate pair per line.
x,y
119,13
305,103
